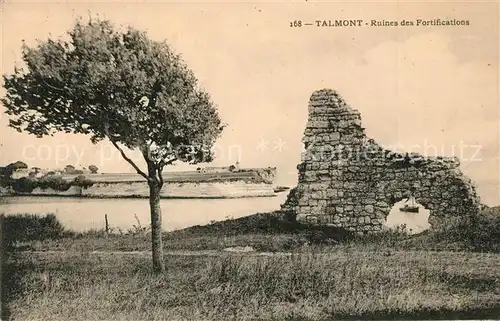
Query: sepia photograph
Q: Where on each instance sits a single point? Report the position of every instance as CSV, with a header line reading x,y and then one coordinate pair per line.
x,y
266,160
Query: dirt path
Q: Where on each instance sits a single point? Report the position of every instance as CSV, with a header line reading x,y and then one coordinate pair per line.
x,y
480,259
231,251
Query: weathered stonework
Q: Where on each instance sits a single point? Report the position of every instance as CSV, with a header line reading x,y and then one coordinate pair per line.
x,y
348,180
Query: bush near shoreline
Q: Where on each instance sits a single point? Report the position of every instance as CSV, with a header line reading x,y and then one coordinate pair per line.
x,y
54,182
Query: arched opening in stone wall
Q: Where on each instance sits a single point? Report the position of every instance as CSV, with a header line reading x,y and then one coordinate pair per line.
x,y
409,222
350,181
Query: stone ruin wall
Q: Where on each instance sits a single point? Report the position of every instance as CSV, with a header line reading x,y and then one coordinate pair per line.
x,y
348,180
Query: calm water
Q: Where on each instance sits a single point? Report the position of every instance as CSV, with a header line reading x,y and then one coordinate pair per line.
x,y
82,214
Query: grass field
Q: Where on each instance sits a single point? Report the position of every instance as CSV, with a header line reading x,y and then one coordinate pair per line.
x,y
314,274
304,286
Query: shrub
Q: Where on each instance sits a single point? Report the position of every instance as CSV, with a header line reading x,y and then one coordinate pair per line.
x,y
479,232
486,231
28,184
69,169
138,229
56,183
81,181
29,227
24,185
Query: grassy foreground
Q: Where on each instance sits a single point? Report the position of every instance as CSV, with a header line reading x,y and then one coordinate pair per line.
x,y
304,286
326,274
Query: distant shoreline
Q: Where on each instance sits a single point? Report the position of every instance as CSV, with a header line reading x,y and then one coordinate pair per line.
x,y
131,196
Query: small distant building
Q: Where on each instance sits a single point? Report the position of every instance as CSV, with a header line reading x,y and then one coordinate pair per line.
x,y
220,169
19,173
37,172
217,169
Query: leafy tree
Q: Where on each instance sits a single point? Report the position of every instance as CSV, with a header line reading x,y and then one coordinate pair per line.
x,y
117,85
93,169
69,169
24,184
82,181
12,167
17,165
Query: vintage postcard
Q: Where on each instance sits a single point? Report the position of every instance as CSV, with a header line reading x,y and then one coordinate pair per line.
x,y
267,160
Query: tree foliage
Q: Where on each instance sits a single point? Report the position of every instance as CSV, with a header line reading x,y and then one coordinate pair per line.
x,y
17,165
69,169
116,85
8,170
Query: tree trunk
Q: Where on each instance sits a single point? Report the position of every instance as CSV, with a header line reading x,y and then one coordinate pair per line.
x,y
156,242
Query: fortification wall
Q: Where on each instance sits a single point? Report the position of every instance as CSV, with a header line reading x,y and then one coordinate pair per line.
x,y
348,180
236,189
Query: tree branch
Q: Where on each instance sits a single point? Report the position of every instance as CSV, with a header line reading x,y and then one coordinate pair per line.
x,y
55,88
65,89
160,175
164,162
131,162
154,93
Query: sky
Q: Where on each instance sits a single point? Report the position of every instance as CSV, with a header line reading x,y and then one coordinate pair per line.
x,y
431,89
